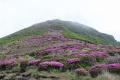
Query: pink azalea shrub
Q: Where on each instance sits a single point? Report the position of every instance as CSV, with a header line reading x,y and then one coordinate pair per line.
x,y
85,57
51,64
62,49
73,63
6,63
81,71
50,36
96,56
20,59
73,60
32,62
114,68
98,69
100,55
113,59
87,60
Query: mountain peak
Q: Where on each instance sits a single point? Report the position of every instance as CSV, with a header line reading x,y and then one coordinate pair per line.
x,y
70,29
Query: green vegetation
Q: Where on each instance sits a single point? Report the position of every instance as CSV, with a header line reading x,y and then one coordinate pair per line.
x,y
71,30
34,74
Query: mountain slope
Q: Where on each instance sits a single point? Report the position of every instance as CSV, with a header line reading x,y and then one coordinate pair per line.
x,y
44,52
70,29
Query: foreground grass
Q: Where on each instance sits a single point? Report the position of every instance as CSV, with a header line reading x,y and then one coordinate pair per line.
x,y
107,76
34,74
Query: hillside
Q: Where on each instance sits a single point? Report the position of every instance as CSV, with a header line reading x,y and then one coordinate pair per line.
x,y
70,29
55,50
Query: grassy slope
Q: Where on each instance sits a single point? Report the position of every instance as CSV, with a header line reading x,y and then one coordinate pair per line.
x,y
71,30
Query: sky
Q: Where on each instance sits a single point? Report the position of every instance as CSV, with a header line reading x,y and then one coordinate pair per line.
x,y
103,15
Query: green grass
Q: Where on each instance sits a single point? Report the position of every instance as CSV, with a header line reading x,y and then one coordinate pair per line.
x,y
107,76
32,74
71,30
22,34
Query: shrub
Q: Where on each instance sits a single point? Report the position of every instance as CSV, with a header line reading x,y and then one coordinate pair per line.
x,y
81,71
32,62
107,76
73,60
19,60
73,63
114,68
113,59
87,60
50,64
6,63
98,69
100,56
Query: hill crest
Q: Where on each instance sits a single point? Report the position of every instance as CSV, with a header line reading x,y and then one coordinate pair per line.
x,y
70,29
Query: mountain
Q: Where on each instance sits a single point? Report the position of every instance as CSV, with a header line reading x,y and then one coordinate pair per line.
x,y
71,30
59,50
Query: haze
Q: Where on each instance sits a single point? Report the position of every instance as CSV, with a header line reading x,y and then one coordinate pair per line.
x,y
103,15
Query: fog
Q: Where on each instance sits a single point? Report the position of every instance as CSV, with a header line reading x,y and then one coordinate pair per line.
x,y
103,15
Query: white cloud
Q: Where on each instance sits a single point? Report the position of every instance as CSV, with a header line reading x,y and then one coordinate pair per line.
x,y
102,15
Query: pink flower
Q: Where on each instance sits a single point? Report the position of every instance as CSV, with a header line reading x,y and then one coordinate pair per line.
x,y
81,71
51,63
33,61
114,65
114,68
20,59
7,62
73,60
96,70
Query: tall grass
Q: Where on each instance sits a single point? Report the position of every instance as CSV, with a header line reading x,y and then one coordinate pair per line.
x,y
107,76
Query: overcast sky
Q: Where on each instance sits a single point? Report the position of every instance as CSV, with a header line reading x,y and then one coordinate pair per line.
x,y
103,15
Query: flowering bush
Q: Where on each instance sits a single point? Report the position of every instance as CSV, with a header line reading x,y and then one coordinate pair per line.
x,y
101,53
95,70
114,68
73,60
81,71
65,48
35,61
6,63
50,64
113,59
73,63
100,56
20,59
87,60
96,56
